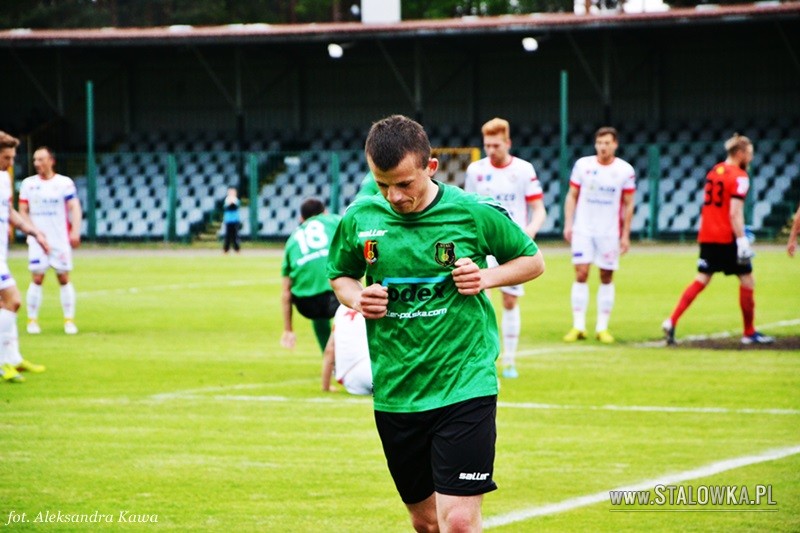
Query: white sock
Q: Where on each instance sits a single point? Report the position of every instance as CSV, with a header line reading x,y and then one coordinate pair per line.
x,y
580,300
68,301
34,298
511,328
605,303
9,344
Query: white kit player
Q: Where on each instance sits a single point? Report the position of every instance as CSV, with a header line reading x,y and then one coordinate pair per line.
x,y
597,223
511,182
51,201
348,352
11,361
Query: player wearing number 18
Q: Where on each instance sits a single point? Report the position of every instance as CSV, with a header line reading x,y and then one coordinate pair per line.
x,y
305,280
723,244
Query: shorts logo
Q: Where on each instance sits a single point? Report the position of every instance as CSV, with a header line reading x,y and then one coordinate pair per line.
x,y
371,251
702,263
473,476
445,253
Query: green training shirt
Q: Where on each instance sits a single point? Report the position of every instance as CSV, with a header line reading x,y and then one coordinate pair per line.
x,y
306,255
434,347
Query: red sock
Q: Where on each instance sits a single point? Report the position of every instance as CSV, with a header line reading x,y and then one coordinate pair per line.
x,y
748,305
687,298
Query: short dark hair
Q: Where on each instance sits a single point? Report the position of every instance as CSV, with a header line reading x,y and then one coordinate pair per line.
x,y
8,141
390,140
606,130
311,208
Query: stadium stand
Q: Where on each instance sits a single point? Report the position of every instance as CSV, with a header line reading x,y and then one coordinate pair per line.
x,y
132,183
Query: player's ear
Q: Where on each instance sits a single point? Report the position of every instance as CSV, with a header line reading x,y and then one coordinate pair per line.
x,y
433,166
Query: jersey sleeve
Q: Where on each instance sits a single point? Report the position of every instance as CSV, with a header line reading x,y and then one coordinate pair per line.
x,y
286,265
70,191
739,186
345,256
469,180
23,191
575,177
498,234
533,190
630,183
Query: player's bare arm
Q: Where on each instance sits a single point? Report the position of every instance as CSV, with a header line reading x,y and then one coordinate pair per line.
x,y
75,218
471,279
538,216
569,212
791,246
24,225
627,217
288,338
372,301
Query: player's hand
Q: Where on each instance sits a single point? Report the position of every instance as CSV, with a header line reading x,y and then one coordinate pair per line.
x,y
568,235
743,251
288,339
792,246
624,245
374,301
74,239
467,277
42,240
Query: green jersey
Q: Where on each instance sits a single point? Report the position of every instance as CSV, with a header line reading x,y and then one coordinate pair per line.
x,y
434,347
306,255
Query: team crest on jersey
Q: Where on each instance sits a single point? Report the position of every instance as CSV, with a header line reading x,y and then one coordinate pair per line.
x,y
445,253
371,251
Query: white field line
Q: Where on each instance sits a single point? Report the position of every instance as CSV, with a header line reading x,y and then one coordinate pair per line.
x,y
180,286
202,394
666,479
720,334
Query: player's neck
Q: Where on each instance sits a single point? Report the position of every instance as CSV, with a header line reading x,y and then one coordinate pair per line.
x,y
502,163
606,161
47,175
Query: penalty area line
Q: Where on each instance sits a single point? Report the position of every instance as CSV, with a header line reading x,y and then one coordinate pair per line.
x,y
667,479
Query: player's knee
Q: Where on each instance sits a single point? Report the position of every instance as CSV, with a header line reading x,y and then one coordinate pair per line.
x,y
424,524
460,520
11,302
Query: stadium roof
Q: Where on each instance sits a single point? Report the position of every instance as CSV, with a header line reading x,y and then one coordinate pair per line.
x,y
466,26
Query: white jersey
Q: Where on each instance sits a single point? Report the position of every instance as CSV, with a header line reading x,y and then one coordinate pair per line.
x,y
5,211
599,209
512,186
47,206
352,365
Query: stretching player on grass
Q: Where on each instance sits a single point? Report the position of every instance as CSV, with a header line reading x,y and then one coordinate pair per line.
x,y
724,247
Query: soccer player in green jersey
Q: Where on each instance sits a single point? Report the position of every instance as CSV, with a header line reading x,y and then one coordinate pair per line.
x,y
432,333
305,283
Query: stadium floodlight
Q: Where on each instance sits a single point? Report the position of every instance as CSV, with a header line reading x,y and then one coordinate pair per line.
x,y
530,44
335,50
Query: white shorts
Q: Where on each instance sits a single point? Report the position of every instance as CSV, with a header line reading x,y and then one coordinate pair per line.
x,y
38,261
513,290
6,279
358,380
602,251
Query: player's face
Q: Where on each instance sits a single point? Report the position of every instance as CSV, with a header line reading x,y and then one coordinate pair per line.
x,y
7,156
606,147
407,187
747,158
42,162
496,148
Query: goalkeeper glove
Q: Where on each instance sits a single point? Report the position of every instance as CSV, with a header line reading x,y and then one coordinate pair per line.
x,y
743,251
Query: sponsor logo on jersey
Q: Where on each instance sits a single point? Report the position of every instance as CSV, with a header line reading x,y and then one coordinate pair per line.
x,y
371,251
473,476
373,233
445,253
416,293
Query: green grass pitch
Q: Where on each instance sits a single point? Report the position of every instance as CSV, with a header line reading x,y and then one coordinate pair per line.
x,y
176,400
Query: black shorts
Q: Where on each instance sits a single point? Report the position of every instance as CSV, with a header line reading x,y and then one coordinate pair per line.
x,y
449,450
716,257
323,305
